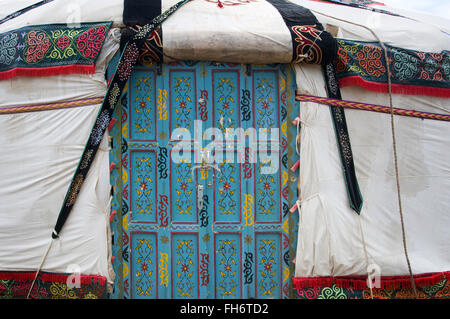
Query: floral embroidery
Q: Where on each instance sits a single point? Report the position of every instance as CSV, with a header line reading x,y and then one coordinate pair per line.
x,y
412,72
8,48
44,48
37,44
90,42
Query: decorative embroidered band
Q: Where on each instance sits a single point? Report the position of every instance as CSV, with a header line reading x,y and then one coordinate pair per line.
x,y
50,106
360,282
52,286
52,49
343,138
310,42
413,72
371,107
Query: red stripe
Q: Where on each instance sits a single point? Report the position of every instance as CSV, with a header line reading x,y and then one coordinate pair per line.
x,y
48,71
360,282
51,277
396,88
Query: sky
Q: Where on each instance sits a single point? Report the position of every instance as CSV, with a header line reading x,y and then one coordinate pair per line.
x,y
435,7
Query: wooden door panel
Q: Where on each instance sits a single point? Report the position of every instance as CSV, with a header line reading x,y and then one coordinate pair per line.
x,y
193,230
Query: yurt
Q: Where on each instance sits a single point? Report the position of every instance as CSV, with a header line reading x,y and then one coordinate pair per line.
x,y
223,149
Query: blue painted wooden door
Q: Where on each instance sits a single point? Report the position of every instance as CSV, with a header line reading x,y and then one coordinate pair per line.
x,y
205,220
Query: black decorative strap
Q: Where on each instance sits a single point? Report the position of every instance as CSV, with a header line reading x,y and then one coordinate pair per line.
x,y
128,60
310,43
343,139
22,11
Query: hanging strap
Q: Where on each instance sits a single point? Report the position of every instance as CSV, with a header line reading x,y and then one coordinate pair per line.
x,y
343,139
128,59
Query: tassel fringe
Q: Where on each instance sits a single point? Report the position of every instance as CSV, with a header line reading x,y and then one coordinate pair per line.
x,y
396,88
48,71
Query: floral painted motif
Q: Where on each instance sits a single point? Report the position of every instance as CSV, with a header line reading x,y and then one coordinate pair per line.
x,y
184,189
227,188
266,194
144,118
183,102
144,185
267,272
264,100
224,102
227,268
185,268
144,264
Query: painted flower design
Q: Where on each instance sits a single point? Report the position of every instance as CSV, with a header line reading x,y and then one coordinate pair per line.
x,y
144,267
185,268
8,48
228,267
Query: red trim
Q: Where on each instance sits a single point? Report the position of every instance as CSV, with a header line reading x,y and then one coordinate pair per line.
x,y
396,88
359,282
52,277
48,71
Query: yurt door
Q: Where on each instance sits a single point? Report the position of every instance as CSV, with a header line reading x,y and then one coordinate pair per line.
x,y
204,220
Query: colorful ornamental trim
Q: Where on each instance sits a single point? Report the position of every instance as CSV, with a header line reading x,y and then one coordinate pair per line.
x,y
52,49
412,72
52,286
360,282
50,106
371,107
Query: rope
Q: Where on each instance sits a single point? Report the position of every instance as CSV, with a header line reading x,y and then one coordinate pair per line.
x,y
366,255
50,106
394,144
372,107
40,266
